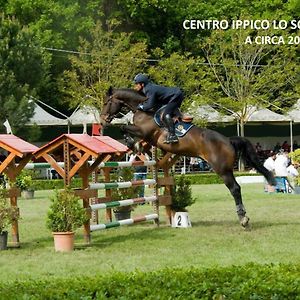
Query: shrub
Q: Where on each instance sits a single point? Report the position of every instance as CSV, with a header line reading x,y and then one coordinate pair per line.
x,y
24,180
235,282
182,194
65,213
8,213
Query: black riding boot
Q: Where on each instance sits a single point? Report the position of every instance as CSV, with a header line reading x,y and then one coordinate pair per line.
x,y
171,138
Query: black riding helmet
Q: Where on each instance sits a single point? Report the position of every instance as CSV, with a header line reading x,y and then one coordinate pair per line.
x,y
141,78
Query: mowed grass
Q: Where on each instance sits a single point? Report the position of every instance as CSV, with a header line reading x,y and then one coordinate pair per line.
x,y
215,239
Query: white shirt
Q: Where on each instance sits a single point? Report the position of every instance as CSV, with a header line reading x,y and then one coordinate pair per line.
x,y
269,164
281,163
292,171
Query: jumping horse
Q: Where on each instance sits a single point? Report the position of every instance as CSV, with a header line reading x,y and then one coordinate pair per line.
x,y
219,151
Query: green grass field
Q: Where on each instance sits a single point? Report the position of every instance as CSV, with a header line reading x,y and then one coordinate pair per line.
x,y
216,238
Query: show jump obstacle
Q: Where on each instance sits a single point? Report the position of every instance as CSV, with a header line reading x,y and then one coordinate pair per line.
x,y
16,153
82,154
127,184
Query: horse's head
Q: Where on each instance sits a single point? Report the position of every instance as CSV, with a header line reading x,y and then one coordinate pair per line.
x,y
111,107
117,99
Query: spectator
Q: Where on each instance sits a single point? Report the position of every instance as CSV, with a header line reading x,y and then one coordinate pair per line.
x,y
285,146
277,148
295,145
193,163
292,174
269,163
258,147
292,171
281,164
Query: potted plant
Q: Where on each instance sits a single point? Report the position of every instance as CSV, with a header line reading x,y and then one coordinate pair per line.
x,y
181,198
65,215
295,158
124,212
24,181
8,214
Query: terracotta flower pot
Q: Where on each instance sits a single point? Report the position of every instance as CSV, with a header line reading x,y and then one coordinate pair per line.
x,y
63,241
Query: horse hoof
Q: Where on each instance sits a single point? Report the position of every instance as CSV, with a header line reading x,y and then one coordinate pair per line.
x,y
244,221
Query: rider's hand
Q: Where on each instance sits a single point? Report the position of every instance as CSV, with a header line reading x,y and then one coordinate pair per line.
x,y
140,107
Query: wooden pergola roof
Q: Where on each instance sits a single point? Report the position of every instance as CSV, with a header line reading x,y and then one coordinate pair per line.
x,y
93,145
16,147
75,150
12,143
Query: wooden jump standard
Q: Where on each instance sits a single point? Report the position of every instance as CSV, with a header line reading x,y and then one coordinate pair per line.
x,y
16,153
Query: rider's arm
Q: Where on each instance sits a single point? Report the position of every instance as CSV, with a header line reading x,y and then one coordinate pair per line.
x,y
150,102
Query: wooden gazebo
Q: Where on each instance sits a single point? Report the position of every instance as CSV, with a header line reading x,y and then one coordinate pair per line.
x,y
15,154
81,154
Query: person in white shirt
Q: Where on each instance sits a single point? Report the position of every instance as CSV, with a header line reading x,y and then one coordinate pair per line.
x,y
269,163
281,164
292,171
292,174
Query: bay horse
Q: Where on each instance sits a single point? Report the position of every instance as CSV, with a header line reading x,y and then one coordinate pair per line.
x,y
219,151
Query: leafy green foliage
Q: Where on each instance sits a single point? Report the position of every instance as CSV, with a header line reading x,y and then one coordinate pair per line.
x,y
295,156
23,71
179,70
25,180
243,75
65,213
182,194
237,282
107,59
8,213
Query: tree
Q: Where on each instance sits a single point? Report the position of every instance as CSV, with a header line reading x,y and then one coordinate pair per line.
x,y
23,70
244,74
107,59
183,71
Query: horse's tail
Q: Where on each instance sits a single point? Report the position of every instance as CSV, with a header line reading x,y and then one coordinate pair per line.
x,y
245,150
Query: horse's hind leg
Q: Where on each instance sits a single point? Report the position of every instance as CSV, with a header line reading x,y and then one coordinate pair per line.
x,y
235,191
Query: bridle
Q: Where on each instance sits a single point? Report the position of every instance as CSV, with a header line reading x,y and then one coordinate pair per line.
x,y
107,116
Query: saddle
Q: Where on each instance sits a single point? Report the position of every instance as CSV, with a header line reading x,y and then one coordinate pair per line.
x,y
183,122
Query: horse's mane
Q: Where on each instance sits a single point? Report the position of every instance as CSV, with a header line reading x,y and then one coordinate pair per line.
x,y
129,94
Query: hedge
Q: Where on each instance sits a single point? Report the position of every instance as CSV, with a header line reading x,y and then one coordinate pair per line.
x,y
236,282
201,178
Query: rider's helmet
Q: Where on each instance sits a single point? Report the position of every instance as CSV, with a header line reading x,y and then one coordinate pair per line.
x,y
141,78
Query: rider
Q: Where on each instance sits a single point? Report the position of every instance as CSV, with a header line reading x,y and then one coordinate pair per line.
x,y
157,97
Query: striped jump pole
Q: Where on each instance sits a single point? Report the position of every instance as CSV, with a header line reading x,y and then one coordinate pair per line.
x,y
124,222
32,166
126,202
121,185
120,164
126,164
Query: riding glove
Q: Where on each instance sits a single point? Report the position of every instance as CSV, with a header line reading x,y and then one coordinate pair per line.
x,y
140,107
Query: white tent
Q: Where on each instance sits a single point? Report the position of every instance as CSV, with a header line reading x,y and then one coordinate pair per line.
x,y
43,118
210,115
90,115
85,115
294,113
266,115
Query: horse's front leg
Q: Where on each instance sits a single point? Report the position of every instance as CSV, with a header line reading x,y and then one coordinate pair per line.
x,y
132,130
129,132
